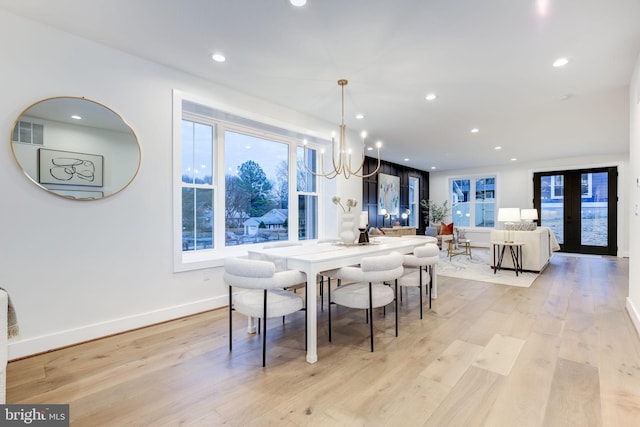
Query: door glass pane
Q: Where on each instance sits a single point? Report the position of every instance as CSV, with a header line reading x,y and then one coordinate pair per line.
x,y
552,204
594,209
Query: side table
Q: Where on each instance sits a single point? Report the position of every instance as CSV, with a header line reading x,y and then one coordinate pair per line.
x,y
515,249
463,246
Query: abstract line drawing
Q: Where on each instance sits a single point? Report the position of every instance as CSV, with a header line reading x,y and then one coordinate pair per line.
x,y
65,169
68,168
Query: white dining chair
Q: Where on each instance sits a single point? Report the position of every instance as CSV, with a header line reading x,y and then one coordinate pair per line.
x,y
328,274
264,296
420,261
369,291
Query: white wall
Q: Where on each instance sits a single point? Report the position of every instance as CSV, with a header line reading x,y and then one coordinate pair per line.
x,y
81,270
633,185
514,187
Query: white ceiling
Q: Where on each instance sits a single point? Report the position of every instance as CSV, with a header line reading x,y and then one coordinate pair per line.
x,y
488,61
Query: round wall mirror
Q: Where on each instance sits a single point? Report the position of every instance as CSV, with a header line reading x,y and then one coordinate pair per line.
x,y
75,148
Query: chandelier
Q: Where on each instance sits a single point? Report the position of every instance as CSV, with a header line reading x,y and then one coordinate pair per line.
x,y
341,153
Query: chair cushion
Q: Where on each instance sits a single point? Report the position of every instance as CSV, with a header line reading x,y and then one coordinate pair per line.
x,y
422,256
446,229
357,295
279,302
411,278
376,269
258,274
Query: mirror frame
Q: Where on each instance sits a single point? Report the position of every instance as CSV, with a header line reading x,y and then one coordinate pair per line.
x,y
79,187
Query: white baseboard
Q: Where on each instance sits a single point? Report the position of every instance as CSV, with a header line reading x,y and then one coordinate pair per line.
x,y
27,347
634,314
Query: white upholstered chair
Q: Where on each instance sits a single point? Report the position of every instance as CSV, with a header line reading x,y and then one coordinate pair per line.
x,y
328,274
369,291
285,244
420,261
264,296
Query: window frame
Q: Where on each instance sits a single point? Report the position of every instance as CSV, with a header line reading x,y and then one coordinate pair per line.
x,y
473,203
214,257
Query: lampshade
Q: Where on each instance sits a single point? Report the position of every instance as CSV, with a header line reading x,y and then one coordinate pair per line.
x,y
364,219
509,214
529,214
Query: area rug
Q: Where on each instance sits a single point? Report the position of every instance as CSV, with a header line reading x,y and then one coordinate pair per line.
x,y
478,268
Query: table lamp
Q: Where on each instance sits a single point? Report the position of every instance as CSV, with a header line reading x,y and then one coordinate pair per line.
x,y
529,215
362,227
405,216
509,216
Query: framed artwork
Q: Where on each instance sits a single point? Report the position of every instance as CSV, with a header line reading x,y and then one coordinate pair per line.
x,y
389,193
69,168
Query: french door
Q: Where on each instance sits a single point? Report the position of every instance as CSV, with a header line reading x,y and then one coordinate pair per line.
x,y
580,207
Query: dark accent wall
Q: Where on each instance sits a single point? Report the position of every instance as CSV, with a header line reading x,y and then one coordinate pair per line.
x,y
370,189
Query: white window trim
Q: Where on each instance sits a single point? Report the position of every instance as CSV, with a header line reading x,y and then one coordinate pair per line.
x,y
472,202
215,257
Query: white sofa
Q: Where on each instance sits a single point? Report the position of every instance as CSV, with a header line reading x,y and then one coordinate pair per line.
x,y
4,306
539,245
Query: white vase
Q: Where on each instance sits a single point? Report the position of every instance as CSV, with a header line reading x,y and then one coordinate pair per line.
x,y
348,230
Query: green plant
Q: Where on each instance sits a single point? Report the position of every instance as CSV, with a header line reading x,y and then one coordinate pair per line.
x,y
435,213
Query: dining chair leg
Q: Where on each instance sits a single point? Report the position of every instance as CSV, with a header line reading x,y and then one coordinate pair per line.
x,y
421,300
430,284
371,314
230,320
329,309
397,308
264,333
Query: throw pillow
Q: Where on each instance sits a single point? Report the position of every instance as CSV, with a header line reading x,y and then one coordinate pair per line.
x,y
446,229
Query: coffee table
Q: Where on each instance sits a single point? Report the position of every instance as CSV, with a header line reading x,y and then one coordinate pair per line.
x,y
460,247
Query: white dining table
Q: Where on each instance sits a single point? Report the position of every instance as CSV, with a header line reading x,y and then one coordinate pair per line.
x,y
314,258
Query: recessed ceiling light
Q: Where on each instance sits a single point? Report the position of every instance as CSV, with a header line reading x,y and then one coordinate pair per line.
x,y
560,62
433,168
76,117
298,3
431,97
360,116
497,148
218,57
513,159
406,159
475,130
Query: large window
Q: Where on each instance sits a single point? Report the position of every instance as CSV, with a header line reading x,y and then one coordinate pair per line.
x,y
234,187
473,201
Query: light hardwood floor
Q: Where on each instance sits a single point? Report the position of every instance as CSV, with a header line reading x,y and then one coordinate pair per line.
x,y
560,353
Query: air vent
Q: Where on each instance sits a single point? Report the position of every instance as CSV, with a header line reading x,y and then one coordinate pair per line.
x,y
28,133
